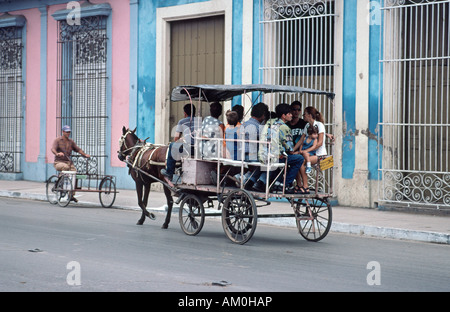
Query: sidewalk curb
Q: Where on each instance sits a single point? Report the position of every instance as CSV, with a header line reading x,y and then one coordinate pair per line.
x,y
15,194
393,233
373,231
346,228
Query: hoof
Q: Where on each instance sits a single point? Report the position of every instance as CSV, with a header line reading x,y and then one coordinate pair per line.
x,y
140,222
165,226
152,216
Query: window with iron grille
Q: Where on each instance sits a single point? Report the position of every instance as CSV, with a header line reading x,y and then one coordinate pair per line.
x,y
82,59
415,127
297,48
11,116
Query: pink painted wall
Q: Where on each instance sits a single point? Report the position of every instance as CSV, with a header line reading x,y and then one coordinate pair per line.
x,y
120,83
52,56
32,85
120,74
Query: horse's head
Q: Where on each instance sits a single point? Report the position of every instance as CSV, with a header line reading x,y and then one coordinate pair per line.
x,y
127,143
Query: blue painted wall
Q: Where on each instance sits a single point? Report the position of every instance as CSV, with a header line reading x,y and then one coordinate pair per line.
x,y
145,108
349,88
256,42
236,77
375,97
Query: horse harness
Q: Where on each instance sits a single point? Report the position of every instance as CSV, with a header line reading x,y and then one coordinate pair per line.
x,y
138,152
140,161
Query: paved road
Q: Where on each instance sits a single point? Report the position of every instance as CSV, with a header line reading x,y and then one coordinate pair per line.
x,y
49,248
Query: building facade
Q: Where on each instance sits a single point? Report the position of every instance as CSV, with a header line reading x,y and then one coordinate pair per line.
x,y
101,65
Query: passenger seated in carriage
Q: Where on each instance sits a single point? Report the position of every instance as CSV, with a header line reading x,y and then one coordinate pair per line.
x,y
250,132
183,142
239,109
212,128
232,134
280,147
314,119
309,146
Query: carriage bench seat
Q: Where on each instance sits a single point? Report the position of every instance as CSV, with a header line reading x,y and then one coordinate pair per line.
x,y
229,162
246,164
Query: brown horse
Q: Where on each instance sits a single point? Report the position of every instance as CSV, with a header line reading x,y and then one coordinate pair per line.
x,y
150,159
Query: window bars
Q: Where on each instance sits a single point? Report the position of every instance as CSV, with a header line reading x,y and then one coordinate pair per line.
x,y
82,81
11,112
297,48
414,126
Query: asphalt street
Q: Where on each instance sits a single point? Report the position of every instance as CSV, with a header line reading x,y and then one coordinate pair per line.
x,y
49,248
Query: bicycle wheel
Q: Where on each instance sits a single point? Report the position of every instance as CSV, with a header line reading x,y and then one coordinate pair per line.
x,y
191,215
239,216
107,193
64,190
314,221
50,189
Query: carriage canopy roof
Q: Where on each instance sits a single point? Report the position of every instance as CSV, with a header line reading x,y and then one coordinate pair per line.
x,y
213,93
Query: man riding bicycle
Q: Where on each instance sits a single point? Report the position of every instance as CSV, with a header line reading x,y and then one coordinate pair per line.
x,y
62,149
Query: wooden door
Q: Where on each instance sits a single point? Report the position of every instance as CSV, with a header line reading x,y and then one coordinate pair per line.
x,y
196,57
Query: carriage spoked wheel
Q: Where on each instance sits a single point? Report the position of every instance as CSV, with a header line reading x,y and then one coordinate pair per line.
x,y
314,219
239,216
50,189
64,190
191,215
107,192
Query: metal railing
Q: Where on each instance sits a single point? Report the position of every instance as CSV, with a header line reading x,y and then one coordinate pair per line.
x,y
297,48
414,126
82,80
11,110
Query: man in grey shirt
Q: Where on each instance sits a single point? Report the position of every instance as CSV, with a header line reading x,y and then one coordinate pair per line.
x,y
183,140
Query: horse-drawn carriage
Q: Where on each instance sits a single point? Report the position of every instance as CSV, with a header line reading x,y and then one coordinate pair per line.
x,y
237,205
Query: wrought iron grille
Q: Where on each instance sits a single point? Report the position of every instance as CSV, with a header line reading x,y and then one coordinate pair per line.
x,y
297,48
415,127
11,84
82,81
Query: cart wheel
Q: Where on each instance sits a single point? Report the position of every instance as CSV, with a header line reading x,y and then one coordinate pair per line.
x,y
50,190
314,221
107,192
192,215
64,191
239,216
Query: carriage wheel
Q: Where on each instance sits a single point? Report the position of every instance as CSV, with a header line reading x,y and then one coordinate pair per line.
x,y
191,215
50,190
107,193
314,221
239,216
64,191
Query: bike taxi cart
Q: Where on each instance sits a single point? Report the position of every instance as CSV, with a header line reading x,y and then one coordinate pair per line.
x,y
61,187
195,188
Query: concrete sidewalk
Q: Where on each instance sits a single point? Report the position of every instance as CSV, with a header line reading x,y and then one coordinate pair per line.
x,y
359,221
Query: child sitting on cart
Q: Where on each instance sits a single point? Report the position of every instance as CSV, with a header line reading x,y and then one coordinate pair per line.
x,y
309,146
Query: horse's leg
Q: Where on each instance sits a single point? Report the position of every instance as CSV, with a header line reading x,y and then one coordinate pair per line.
x,y
147,188
169,198
139,187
